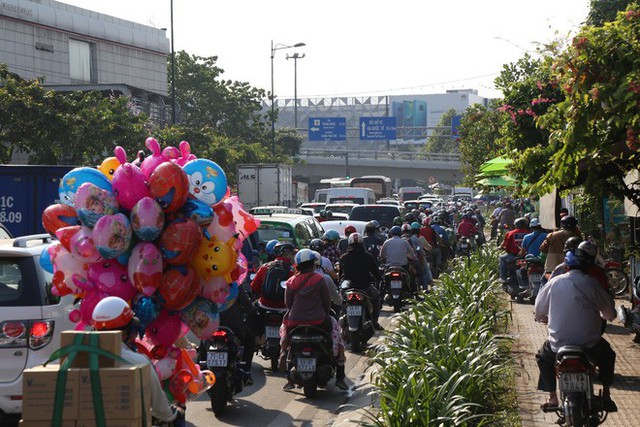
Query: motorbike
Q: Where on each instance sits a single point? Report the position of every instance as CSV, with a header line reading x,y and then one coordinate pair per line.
x,y
222,355
515,286
397,286
533,269
464,247
356,323
631,317
579,406
618,279
310,359
270,349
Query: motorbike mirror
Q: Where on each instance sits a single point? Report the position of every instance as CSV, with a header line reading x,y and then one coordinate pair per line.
x,y
283,284
345,284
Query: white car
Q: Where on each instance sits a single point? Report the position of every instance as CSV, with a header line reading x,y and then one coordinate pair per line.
x,y
31,317
339,226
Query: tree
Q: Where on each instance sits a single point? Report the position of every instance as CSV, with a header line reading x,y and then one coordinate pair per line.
x,y
602,11
441,140
479,133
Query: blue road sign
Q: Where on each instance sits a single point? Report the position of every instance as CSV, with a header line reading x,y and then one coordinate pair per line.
x,y
327,128
377,128
455,124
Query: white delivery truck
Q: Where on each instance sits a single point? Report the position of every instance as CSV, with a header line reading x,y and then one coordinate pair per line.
x,y
265,185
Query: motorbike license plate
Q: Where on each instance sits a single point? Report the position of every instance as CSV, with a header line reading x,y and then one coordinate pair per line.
x,y
271,332
217,359
463,246
354,310
535,278
574,382
306,364
396,284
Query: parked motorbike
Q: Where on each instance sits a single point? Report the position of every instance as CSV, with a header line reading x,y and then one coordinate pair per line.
x,y
631,317
222,355
579,406
356,324
270,349
397,286
310,360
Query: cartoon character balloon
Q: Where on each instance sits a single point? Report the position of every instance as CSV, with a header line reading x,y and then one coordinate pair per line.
x,y
108,167
165,329
178,287
129,182
202,317
169,186
65,266
145,267
58,216
215,258
79,241
207,180
185,154
180,241
111,278
156,158
92,203
112,235
147,219
245,222
70,183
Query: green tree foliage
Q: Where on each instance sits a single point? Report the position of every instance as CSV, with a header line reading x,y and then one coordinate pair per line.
x,y
602,11
596,129
63,128
479,133
440,140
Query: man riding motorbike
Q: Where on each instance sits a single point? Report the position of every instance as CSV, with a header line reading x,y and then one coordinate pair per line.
x,y
326,265
372,240
554,242
359,267
331,250
512,244
344,242
571,304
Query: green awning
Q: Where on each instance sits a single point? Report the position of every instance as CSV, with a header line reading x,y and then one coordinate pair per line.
x,y
497,181
496,166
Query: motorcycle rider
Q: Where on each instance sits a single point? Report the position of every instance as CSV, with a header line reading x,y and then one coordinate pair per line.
x,y
571,304
114,314
423,254
396,251
326,265
507,217
359,267
372,240
344,242
269,249
331,250
466,229
512,244
432,238
494,220
554,242
532,241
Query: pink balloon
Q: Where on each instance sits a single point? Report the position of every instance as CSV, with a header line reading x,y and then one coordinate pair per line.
x,y
185,154
112,235
147,219
165,367
83,247
65,266
111,278
165,329
150,164
88,303
145,268
129,183
215,289
244,221
202,318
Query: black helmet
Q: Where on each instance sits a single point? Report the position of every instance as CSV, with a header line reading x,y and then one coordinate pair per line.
x,y
316,245
571,244
396,230
568,222
370,228
397,221
376,223
586,253
521,223
283,247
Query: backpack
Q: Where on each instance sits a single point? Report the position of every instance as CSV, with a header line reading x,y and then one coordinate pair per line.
x,y
277,272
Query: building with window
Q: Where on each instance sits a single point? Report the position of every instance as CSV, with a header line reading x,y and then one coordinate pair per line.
x,y
70,49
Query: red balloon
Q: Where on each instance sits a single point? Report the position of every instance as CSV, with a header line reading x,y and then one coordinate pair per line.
x,y
178,287
58,216
179,242
66,233
169,186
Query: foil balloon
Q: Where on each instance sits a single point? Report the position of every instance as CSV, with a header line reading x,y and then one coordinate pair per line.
x,y
65,266
165,367
215,258
169,186
58,216
231,298
245,223
171,154
185,154
242,269
129,182
202,317
147,219
165,329
198,211
111,278
156,158
178,287
45,260
70,183
92,203
222,225
78,240
145,268
146,310
112,235
108,167
207,181
65,234
180,241
215,289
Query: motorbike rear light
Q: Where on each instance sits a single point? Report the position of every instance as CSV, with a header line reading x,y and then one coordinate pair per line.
x,y
572,364
40,333
220,334
13,334
395,274
15,397
354,297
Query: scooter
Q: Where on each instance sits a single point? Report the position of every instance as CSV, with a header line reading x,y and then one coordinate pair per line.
x,y
270,349
356,324
221,354
310,360
579,406
534,270
397,286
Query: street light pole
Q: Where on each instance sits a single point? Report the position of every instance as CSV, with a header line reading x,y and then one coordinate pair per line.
x,y
173,74
275,47
295,58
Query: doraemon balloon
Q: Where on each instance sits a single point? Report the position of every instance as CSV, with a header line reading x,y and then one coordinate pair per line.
x,y
92,203
207,181
70,183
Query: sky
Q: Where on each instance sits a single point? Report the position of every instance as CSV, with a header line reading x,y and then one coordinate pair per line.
x,y
358,47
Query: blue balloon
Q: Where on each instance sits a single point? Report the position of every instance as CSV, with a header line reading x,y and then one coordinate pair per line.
x,y
207,181
146,310
198,211
231,298
75,178
45,260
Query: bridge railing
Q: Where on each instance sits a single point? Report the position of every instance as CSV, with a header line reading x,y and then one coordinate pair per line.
x,y
380,154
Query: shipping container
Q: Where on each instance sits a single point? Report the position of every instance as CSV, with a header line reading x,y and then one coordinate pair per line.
x,y
265,185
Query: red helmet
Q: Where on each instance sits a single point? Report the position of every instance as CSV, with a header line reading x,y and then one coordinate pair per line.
x,y
111,313
349,229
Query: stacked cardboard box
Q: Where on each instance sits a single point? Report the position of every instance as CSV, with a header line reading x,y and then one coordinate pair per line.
x,y
125,390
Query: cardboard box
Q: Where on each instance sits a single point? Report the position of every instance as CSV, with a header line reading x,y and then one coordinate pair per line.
x,y
110,341
27,423
122,388
39,389
113,423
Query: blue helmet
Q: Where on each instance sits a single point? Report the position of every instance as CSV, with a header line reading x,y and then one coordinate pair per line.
x,y
270,246
305,255
396,231
331,235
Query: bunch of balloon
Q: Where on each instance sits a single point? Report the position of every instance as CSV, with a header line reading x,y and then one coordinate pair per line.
x,y
163,234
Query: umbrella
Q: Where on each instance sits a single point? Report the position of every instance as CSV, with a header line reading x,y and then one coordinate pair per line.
x,y
497,181
496,166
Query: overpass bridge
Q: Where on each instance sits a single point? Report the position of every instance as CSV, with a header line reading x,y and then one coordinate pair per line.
x,y
317,163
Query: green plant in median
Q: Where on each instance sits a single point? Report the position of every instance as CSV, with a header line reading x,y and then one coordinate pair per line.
x,y
444,362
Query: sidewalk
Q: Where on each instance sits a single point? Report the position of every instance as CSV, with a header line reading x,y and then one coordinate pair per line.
x,y
529,337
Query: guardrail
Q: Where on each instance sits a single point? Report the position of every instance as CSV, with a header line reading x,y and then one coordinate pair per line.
x,y
380,154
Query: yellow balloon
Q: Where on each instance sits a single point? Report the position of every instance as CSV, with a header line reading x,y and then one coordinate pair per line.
x,y
109,166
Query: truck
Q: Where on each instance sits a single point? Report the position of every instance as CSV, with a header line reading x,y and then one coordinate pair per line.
x,y
265,185
26,191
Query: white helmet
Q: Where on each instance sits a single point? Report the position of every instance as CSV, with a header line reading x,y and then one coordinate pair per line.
x,y
355,238
111,313
304,255
318,257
